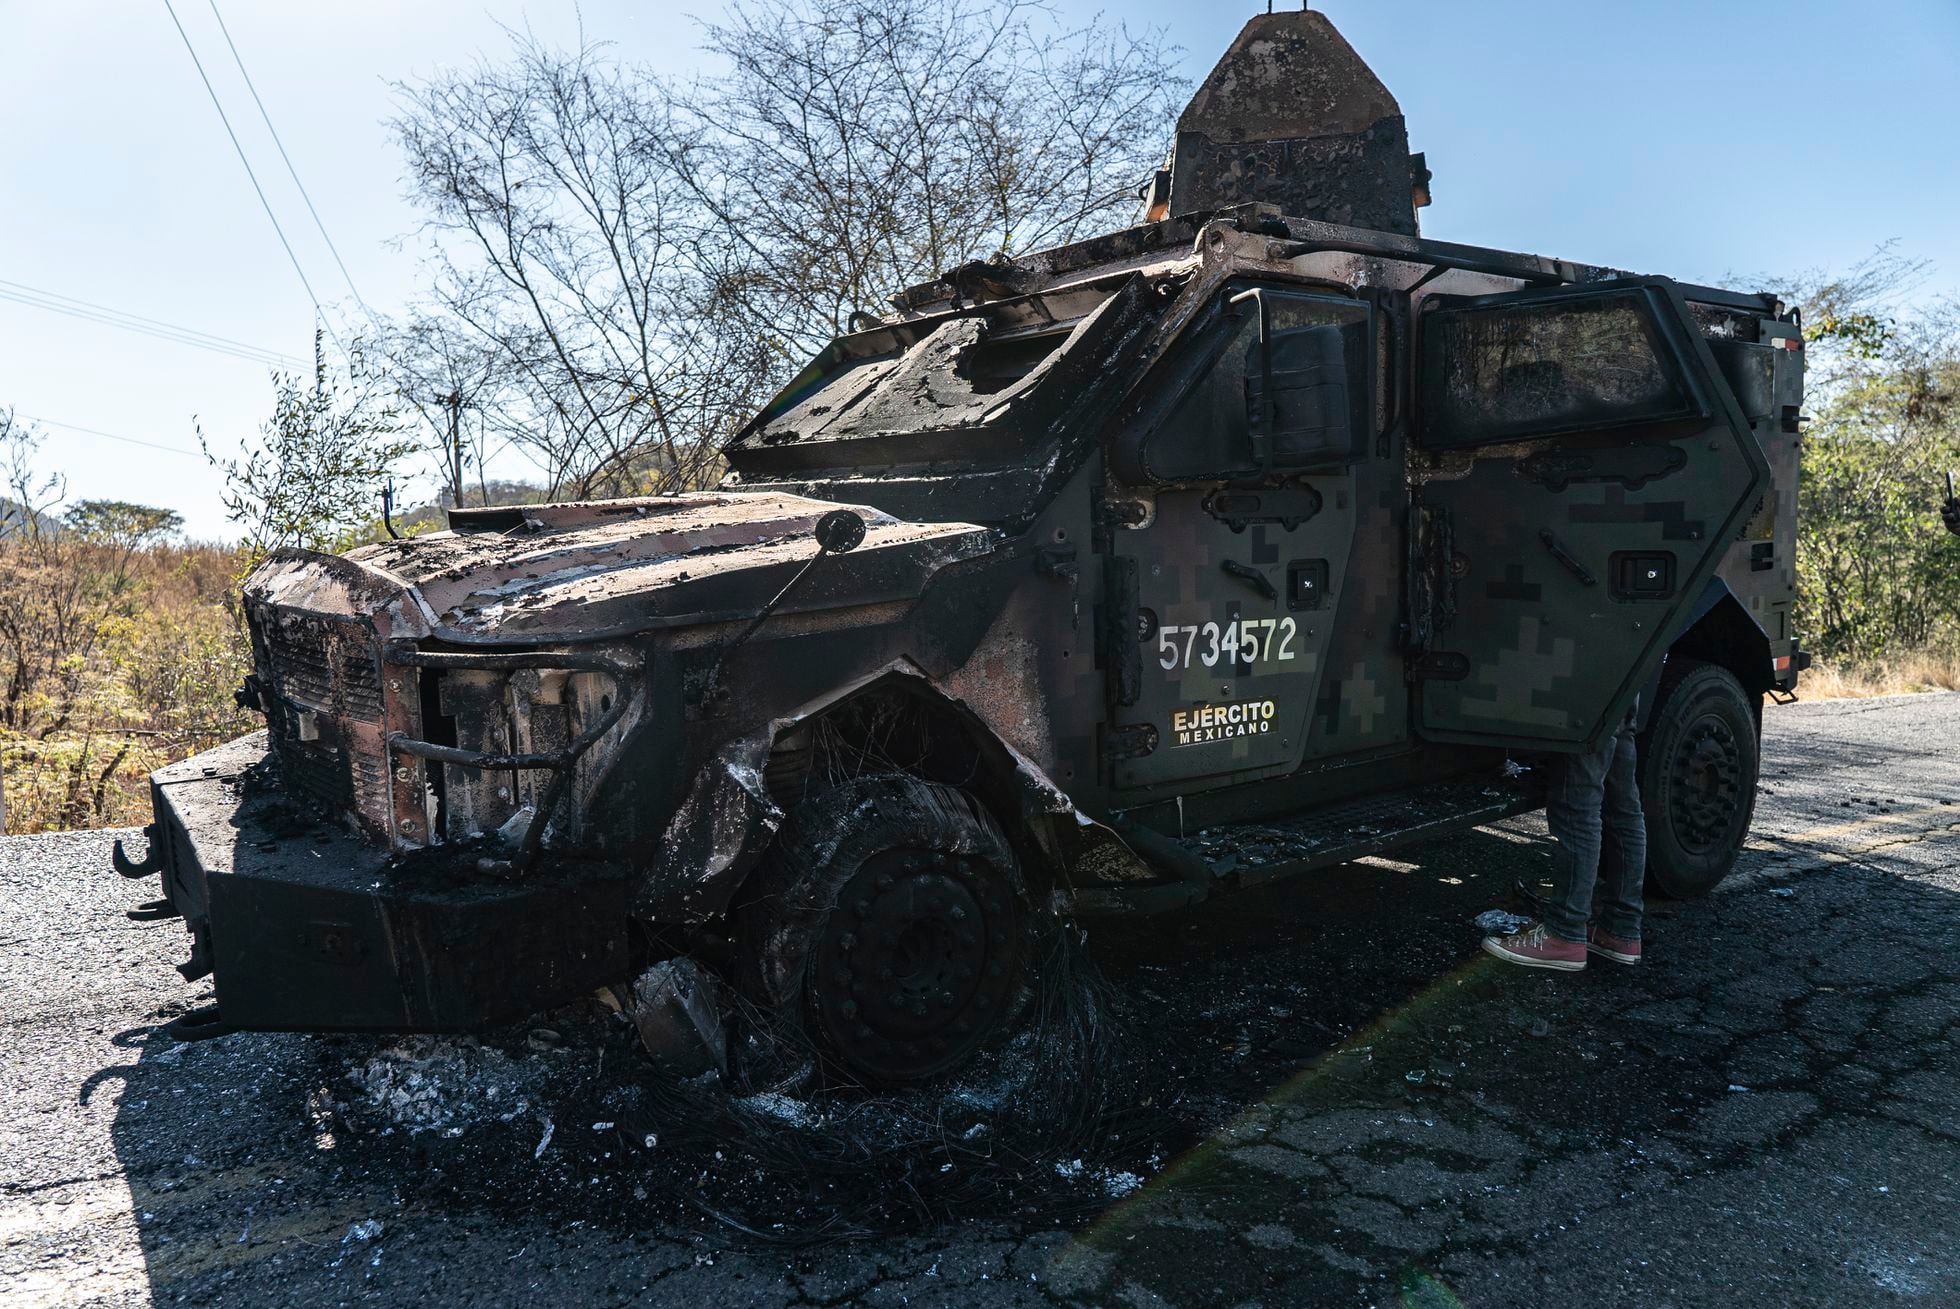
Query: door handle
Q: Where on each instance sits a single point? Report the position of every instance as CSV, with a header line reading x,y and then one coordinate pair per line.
x,y
1252,577
1559,553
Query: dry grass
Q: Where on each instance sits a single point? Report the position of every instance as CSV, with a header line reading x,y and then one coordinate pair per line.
x,y
133,682
1901,674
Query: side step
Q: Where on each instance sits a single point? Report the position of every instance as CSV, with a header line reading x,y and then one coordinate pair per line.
x,y
1239,855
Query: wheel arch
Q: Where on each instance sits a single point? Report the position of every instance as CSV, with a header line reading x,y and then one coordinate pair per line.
x,y
735,806
1720,630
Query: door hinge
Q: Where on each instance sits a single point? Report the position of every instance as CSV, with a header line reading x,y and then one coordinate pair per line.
x,y
1131,742
1440,666
1056,561
1116,632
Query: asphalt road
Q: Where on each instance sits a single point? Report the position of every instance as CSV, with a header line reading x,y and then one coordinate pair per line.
x,y
1352,1106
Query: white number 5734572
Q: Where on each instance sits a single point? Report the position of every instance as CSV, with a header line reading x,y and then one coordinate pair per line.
x,y
1245,641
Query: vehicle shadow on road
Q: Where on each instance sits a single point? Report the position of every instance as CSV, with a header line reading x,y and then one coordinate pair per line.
x,y
1338,1095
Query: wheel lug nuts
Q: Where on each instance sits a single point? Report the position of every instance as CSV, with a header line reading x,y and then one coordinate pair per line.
x,y
849,1009
884,882
848,940
958,914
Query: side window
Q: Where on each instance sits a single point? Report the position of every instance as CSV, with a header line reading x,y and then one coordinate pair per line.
x,y
1513,368
1317,353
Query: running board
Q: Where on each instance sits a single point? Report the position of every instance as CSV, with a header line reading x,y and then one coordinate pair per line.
x,y
1235,856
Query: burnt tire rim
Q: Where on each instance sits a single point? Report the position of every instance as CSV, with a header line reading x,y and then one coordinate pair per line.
x,y
916,965
1705,775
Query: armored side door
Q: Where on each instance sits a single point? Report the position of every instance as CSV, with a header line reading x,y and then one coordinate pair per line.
x,y
1230,511
1580,468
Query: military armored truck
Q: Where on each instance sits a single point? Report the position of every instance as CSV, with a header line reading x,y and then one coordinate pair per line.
x,y
1235,545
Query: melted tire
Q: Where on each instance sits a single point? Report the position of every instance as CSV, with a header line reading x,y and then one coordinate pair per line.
x,y
888,929
1699,761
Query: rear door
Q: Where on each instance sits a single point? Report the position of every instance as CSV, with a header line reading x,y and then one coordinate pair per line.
x,y
1581,467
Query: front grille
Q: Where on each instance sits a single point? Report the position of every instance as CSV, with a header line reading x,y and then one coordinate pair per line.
x,y
326,664
325,676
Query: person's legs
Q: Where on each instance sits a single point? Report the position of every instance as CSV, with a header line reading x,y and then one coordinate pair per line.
x,y
1624,828
1572,812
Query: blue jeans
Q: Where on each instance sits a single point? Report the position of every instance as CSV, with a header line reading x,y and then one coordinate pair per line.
x,y
1594,813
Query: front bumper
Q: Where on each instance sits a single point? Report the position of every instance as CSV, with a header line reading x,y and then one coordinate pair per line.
x,y
308,928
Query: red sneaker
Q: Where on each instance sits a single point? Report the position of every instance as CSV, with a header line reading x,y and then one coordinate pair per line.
x,y
1620,949
1535,947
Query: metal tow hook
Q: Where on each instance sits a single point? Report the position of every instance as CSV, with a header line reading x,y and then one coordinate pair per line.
x,y
152,911
151,862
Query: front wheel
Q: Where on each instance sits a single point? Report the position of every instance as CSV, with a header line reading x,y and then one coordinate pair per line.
x,y
1699,761
887,927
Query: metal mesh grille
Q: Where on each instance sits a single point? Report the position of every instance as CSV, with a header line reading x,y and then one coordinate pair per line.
x,y
326,665
325,674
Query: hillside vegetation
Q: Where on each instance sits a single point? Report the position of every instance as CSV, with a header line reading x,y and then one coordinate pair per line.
x,y
113,661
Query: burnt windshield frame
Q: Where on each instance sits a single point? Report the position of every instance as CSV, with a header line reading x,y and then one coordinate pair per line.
x,y
1661,328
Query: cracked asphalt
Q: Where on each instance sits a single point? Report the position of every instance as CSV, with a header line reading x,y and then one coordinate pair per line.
x,y
1367,1110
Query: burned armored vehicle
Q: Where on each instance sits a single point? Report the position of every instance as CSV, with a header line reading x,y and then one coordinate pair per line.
x,y
1251,539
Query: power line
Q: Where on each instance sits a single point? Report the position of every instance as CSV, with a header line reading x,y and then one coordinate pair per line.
x,y
109,321
89,311
290,170
127,440
264,203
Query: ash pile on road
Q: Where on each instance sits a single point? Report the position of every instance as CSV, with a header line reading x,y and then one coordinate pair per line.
x,y
1052,1125
439,1084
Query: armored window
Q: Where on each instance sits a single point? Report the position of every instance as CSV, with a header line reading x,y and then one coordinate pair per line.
x,y
1570,362
1274,381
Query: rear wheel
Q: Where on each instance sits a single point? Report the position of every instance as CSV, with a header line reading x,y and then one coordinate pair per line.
x,y
887,927
1698,766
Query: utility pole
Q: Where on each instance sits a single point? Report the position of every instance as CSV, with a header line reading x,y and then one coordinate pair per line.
x,y
454,402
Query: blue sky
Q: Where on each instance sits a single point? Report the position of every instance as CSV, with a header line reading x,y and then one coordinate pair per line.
x,y
1711,141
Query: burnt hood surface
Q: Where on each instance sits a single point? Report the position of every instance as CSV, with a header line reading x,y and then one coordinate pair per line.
x,y
531,574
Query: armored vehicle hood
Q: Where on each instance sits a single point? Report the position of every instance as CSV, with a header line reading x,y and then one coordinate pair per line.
x,y
531,574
